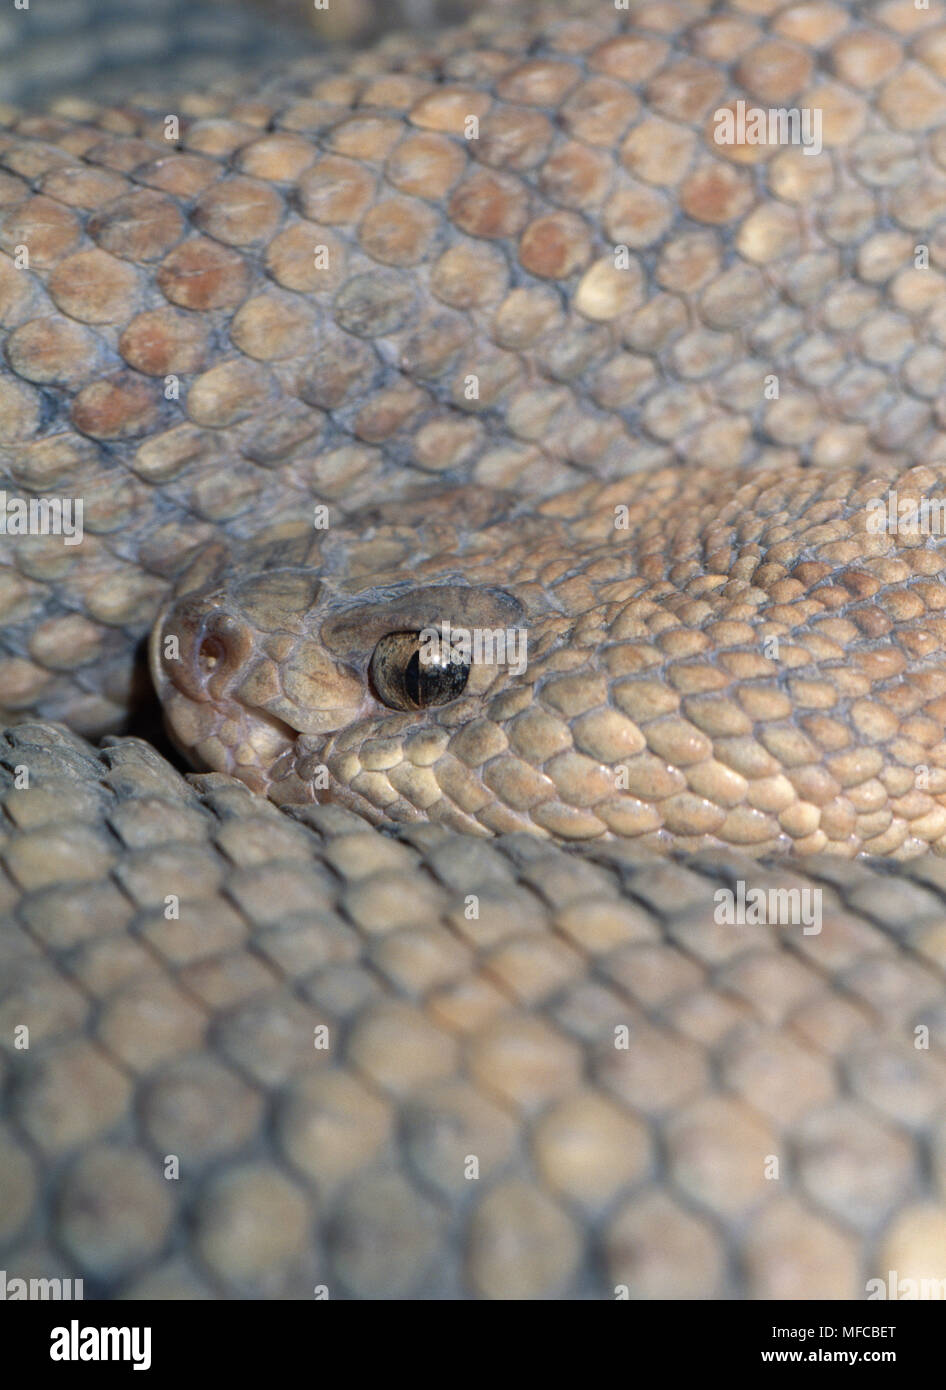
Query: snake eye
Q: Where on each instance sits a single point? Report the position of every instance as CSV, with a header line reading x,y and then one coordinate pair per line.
x,y
409,675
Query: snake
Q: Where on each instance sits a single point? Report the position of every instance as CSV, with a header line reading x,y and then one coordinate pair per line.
x,y
520,875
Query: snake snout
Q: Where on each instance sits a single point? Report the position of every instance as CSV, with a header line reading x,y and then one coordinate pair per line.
x,y
199,646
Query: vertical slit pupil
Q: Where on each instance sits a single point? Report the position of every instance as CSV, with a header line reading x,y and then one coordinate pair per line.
x,y
412,679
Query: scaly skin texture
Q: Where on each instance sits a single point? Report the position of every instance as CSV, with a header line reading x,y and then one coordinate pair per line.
x,y
344,380
656,1104
417,1062
741,661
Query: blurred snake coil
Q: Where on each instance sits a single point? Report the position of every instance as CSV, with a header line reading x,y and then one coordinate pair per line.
x,y
614,972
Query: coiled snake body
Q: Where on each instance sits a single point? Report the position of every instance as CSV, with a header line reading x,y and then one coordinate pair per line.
x,y
549,359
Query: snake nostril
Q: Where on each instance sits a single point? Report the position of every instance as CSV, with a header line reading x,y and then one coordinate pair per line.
x,y
221,646
210,653
200,647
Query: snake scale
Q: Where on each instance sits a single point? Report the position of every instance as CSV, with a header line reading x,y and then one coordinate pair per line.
x,y
420,988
